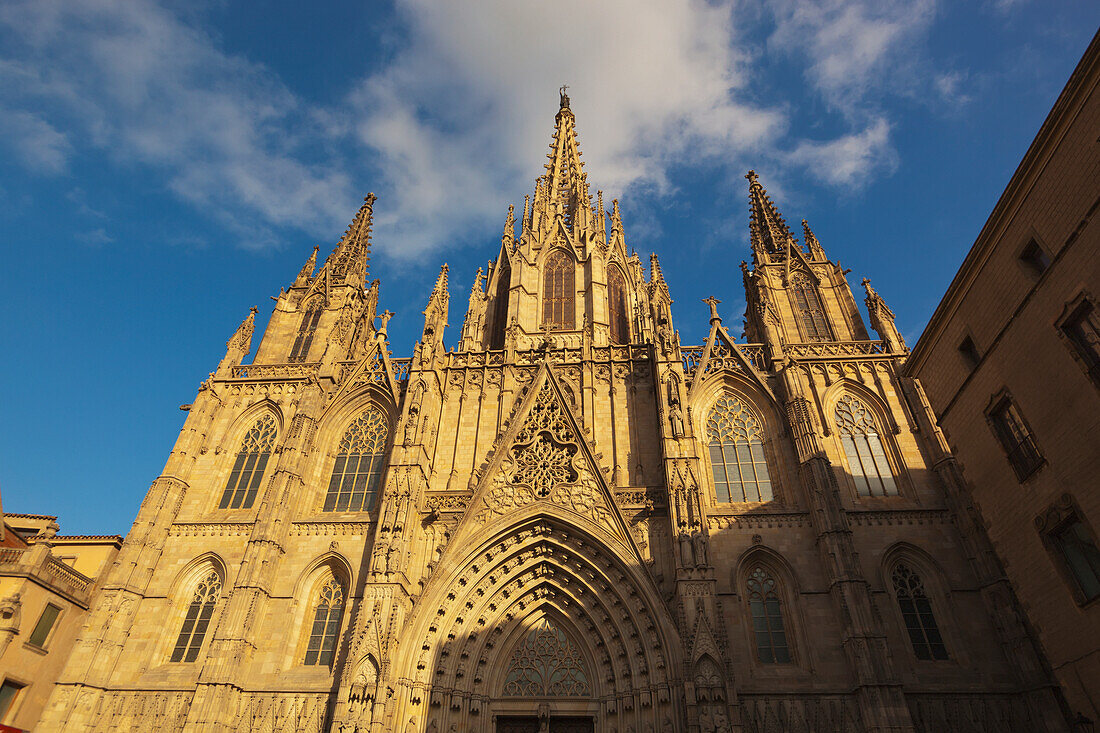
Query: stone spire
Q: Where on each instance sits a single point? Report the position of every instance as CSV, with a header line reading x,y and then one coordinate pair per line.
x,y
435,315
508,238
813,247
566,189
238,346
306,273
768,232
657,278
618,236
882,320
349,262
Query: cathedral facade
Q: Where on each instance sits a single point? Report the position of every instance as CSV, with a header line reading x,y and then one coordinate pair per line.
x,y
568,521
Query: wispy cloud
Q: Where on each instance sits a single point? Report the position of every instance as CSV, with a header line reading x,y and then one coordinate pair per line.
x,y
454,124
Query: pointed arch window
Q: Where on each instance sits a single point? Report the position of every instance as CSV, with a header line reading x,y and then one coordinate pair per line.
x,y
306,330
327,615
248,469
863,448
767,618
811,312
618,307
358,469
916,610
545,663
197,621
500,308
558,293
737,453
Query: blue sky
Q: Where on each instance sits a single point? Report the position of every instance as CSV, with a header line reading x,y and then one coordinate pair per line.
x,y
165,166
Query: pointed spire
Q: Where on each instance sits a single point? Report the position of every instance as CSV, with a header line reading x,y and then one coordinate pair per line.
x,y
813,247
238,346
306,273
349,262
435,314
601,218
509,237
882,320
657,277
566,189
477,289
767,230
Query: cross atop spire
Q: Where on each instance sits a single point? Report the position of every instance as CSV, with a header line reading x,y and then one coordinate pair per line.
x,y
565,193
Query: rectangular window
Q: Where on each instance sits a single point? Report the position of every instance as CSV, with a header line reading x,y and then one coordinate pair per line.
x,y
1034,258
9,693
45,625
1079,555
969,353
1082,329
1012,432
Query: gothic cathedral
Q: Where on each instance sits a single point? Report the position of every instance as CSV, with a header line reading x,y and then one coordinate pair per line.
x,y
567,521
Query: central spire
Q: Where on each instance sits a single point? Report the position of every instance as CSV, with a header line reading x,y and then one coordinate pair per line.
x,y
564,193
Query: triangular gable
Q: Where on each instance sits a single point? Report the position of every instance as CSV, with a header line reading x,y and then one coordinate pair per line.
x,y
719,349
792,247
543,456
373,368
704,643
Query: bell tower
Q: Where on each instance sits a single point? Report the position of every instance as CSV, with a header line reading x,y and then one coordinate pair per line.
x,y
795,295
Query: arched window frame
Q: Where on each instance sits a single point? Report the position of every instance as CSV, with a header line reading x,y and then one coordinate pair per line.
x,y
769,625
250,463
307,329
520,629
809,308
364,479
499,322
859,431
750,423
912,618
325,613
559,293
618,307
787,591
195,613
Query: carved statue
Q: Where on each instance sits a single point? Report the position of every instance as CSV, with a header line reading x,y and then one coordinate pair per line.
x,y
699,546
685,548
676,419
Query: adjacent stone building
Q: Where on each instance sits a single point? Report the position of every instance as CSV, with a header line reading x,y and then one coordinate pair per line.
x,y
47,582
1011,364
567,521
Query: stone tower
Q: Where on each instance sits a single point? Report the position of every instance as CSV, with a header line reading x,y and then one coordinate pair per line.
x,y
568,521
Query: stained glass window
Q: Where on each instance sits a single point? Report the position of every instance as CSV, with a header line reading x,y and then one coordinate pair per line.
x,y
306,330
863,447
546,664
618,307
197,621
327,615
558,292
916,610
767,618
248,469
737,453
810,311
354,481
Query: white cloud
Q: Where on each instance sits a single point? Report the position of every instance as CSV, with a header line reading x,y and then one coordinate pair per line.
x,y
852,47
132,79
36,143
849,160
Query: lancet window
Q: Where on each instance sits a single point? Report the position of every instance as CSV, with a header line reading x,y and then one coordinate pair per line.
x,y
767,618
545,663
500,309
306,330
558,293
810,310
916,610
358,469
327,615
248,469
197,621
618,307
863,449
737,453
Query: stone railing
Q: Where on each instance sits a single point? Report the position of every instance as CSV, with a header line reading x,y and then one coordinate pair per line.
x,y
834,349
39,563
755,354
401,369
273,371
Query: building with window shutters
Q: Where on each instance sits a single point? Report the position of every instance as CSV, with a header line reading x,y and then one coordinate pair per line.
x,y
47,582
1011,363
566,521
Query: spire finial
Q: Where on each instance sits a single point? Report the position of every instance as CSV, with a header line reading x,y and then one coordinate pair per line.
x,y
564,96
713,303
349,261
